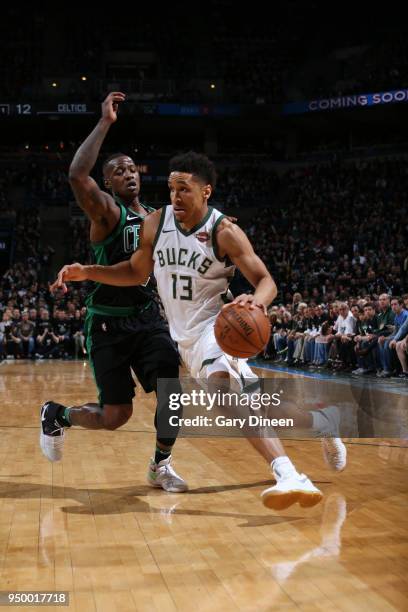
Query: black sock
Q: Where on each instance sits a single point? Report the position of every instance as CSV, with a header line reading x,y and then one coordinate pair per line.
x,y
61,417
161,454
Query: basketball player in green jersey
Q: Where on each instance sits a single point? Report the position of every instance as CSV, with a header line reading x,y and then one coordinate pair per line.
x,y
192,249
124,330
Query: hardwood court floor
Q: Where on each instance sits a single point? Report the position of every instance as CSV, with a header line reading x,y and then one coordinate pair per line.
x,y
91,526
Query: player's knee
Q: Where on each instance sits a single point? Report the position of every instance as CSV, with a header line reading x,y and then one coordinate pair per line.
x,y
218,381
114,416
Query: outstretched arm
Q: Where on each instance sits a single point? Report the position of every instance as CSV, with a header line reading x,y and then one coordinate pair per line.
x,y
233,242
135,271
97,204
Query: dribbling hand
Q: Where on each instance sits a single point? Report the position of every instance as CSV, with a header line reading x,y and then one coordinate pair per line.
x,y
248,298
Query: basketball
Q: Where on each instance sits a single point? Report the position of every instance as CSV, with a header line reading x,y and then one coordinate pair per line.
x,y
241,331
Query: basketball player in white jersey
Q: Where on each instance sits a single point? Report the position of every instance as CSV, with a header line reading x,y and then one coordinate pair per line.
x,y
193,249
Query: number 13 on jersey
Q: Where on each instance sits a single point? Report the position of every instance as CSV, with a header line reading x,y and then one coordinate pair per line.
x,y
182,287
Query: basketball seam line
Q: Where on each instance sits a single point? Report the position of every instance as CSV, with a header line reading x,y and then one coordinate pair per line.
x,y
239,331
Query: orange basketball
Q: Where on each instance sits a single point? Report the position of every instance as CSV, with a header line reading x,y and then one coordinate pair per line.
x,y
241,331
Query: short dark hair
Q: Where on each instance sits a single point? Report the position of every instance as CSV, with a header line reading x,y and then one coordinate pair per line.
x,y
369,305
197,164
398,299
110,158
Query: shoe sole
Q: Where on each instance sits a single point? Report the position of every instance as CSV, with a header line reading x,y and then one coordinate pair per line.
x,y
334,468
277,500
157,485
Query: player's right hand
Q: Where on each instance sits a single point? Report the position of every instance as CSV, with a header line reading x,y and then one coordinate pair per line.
x,y
110,106
72,272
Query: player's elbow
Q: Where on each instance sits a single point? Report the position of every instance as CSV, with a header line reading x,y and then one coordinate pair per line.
x,y
129,275
73,178
274,289
270,287
140,268
138,278
76,176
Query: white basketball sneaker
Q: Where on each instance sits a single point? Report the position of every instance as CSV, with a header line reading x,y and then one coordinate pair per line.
x,y
162,475
52,433
327,423
290,489
334,453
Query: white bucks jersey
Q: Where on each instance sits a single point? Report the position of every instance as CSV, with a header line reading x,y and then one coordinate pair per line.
x,y
191,278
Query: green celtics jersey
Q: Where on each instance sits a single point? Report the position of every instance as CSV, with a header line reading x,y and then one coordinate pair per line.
x,y
117,247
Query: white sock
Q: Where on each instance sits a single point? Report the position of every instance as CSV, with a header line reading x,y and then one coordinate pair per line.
x,y
282,466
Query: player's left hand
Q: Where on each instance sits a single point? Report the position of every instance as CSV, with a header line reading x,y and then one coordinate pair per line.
x,y
249,298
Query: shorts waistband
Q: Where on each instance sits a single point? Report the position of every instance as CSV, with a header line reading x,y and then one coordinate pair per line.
x,y
118,311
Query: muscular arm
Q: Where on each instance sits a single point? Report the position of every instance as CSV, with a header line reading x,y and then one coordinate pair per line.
x,y
232,241
97,204
93,201
135,271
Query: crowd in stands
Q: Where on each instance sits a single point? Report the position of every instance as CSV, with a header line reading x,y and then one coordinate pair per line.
x,y
50,186
7,177
31,333
336,242
79,240
248,185
336,229
335,233
361,335
44,179
4,205
34,324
